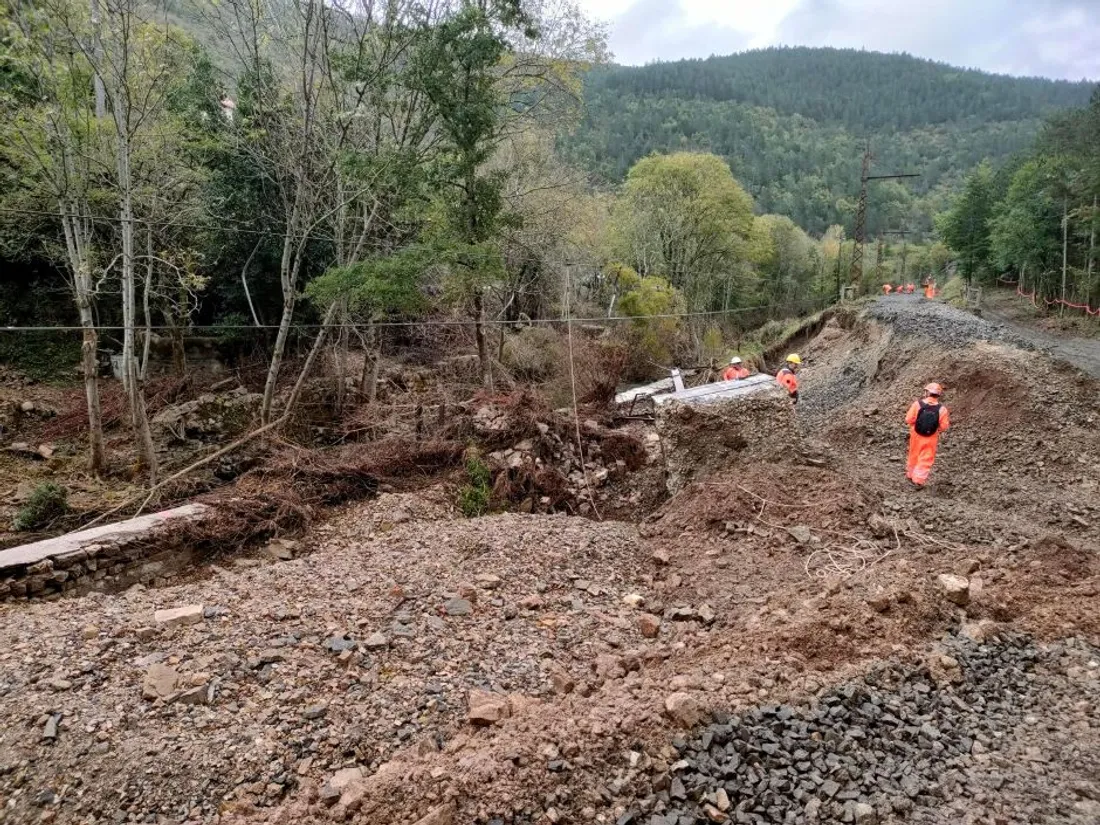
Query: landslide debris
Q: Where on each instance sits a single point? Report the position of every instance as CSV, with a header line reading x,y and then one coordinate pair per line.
x,y
407,665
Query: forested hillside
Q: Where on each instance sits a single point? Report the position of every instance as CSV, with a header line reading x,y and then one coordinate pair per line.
x,y
791,123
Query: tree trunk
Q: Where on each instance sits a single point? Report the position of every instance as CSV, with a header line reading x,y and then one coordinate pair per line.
x,y
97,46
482,346
318,345
341,352
244,281
148,342
131,379
287,273
75,244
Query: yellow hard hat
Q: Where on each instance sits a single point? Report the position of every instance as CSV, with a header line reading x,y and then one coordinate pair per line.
x,y
793,358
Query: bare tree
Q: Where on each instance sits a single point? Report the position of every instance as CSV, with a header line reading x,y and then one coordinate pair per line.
x,y
59,143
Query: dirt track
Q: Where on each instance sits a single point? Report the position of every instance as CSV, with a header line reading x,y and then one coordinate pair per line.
x,y
548,669
1083,353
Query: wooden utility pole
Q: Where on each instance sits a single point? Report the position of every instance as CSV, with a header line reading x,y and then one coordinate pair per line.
x,y
1065,253
856,271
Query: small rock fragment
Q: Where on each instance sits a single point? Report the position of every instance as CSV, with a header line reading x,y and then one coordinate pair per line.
x,y
801,533
376,641
864,814
487,708
160,682
458,607
879,602
955,588
441,815
649,625
179,616
684,709
49,732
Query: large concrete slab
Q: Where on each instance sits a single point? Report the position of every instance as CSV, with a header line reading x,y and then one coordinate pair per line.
x,y
119,532
720,391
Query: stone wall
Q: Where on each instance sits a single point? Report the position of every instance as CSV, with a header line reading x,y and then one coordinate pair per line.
x,y
107,558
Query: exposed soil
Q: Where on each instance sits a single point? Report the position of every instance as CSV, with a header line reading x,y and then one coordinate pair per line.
x,y
552,668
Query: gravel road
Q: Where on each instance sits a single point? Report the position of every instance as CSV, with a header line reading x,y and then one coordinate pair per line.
x,y
1083,353
955,327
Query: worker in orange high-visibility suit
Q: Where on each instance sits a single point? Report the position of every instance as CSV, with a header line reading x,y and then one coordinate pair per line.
x,y
788,376
887,289
927,418
735,371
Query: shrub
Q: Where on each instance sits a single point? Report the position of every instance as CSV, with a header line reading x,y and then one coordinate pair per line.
x,y
533,353
473,497
713,347
46,504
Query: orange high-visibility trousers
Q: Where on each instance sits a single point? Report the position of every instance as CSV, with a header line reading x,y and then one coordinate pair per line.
x,y
922,455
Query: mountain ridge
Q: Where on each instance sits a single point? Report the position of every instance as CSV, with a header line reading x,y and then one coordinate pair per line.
x,y
793,121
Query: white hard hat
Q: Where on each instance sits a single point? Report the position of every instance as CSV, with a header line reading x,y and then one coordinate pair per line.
x,y
735,360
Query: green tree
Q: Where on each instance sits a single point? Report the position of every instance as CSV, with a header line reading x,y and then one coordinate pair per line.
x,y
965,227
1026,225
685,218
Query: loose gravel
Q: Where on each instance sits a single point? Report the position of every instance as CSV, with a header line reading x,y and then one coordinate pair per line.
x,y
940,322
960,740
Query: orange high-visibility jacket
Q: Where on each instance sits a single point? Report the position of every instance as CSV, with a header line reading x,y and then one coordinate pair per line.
x,y
922,448
788,379
734,373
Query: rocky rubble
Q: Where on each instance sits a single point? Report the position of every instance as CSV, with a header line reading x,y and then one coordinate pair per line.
x,y
209,416
936,743
700,439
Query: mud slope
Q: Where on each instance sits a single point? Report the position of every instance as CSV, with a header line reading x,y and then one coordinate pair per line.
x,y
417,667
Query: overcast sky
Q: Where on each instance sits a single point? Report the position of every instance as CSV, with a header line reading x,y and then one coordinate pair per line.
x,y
1051,38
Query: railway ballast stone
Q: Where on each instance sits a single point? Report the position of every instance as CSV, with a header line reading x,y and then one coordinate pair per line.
x,y
873,750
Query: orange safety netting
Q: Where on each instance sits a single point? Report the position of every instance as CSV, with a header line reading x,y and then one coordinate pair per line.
x,y
1055,301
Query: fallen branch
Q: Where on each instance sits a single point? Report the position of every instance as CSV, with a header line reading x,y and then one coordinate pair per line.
x,y
202,462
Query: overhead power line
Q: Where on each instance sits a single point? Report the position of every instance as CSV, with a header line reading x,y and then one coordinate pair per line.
x,y
424,323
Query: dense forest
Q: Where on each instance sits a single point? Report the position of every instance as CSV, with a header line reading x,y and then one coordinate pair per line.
x,y
1033,220
792,124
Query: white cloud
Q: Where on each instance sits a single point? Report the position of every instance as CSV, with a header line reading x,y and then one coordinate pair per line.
x,y
1056,38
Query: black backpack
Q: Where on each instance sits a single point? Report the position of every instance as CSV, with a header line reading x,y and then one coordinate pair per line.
x,y
928,419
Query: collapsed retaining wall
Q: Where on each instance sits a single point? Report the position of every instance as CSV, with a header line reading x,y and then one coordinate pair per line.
x,y
109,557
